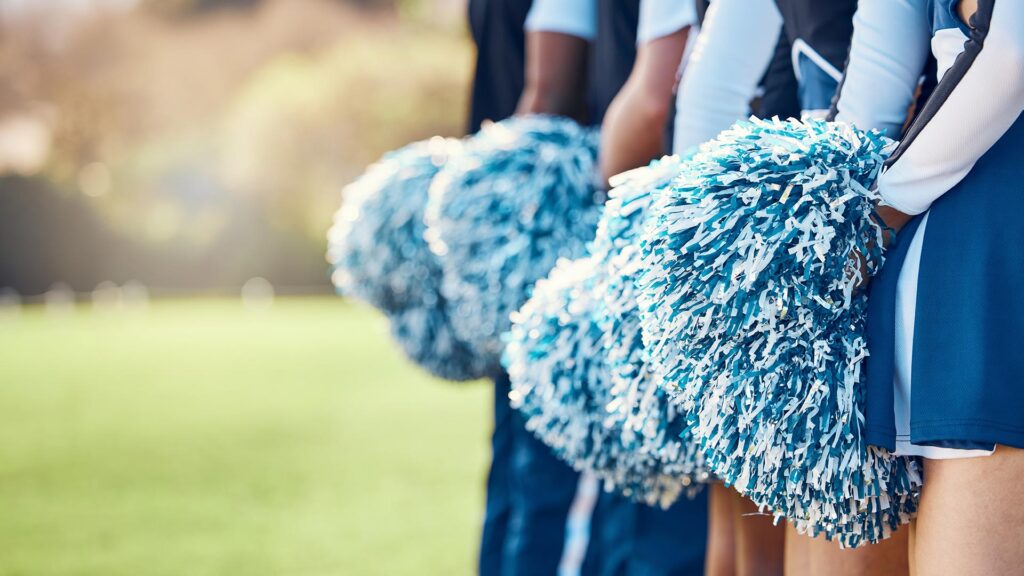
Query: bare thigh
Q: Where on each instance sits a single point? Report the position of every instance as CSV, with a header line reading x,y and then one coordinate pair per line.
x,y
971,516
720,556
759,543
807,556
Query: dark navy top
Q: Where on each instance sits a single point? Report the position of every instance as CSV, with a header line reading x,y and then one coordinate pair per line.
x,y
497,29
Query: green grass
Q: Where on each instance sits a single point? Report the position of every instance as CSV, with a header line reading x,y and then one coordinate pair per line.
x,y
200,438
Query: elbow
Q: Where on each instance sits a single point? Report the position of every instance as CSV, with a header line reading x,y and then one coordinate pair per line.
x,y
648,109
1008,48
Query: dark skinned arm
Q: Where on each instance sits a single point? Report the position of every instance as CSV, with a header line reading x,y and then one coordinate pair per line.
x,y
556,73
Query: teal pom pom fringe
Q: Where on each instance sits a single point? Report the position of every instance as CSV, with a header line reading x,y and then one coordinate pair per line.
x,y
500,215
379,255
556,366
654,457
579,318
753,322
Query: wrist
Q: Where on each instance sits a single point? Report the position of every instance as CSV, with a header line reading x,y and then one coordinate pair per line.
x,y
892,218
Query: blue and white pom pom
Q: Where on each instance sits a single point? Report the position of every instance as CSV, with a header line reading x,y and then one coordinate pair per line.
x,y
654,457
500,215
379,255
752,318
555,363
557,359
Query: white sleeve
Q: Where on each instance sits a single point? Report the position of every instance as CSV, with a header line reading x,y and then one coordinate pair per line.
x,y
734,48
573,17
887,55
980,108
659,18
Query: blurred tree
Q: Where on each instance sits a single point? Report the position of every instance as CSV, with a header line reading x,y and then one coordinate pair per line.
x,y
193,153
186,7
189,7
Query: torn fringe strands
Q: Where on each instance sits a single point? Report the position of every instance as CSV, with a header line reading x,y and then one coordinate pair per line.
x,y
522,195
655,458
578,318
752,321
379,255
556,364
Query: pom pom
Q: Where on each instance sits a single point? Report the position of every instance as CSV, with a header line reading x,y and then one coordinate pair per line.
x,y
500,216
425,336
557,359
379,255
654,457
750,314
556,366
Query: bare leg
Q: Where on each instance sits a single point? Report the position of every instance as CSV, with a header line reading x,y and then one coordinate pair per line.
x,y
798,554
759,543
807,556
911,546
888,557
720,557
971,515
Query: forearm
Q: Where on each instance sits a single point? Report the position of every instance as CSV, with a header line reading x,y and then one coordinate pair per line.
x,y
888,51
556,66
634,125
734,48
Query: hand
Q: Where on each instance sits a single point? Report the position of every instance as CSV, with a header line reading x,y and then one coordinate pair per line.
x,y
894,221
892,218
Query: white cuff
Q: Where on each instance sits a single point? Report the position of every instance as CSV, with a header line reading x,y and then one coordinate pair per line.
x,y
660,18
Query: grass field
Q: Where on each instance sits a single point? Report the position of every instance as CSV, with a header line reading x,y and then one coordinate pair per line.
x,y
198,438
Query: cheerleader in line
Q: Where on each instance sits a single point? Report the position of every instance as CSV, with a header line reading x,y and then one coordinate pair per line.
x,y
529,491
626,537
733,52
646,539
946,315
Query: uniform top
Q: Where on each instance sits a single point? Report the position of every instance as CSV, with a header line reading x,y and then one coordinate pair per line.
x,y
979,97
497,28
658,18
736,46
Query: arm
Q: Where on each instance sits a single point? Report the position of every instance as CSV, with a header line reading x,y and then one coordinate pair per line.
x,y
634,124
557,36
887,54
735,46
976,102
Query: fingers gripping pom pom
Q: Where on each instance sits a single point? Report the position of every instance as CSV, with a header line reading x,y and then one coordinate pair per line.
x,y
379,255
557,361
500,215
655,459
751,318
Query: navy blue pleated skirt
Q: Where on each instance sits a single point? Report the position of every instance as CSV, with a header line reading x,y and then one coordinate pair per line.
x,y
967,388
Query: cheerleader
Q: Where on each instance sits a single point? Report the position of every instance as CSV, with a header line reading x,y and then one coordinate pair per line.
x,y
640,539
946,314
732,53
498,79
625,537
529,491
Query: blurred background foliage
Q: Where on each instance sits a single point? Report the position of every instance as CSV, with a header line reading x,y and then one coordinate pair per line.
x,y
193,144
198,148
